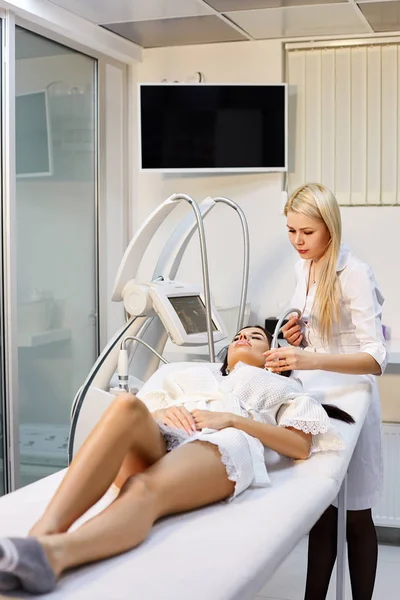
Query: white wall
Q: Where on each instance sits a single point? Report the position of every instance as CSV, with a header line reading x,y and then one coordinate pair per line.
x,y
258,194
371,232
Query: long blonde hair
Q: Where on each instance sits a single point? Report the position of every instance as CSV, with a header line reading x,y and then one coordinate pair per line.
x,y
317,202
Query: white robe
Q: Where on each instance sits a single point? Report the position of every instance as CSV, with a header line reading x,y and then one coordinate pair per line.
x,y
249,392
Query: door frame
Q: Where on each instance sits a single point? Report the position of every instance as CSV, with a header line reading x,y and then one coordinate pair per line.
x,y
9,316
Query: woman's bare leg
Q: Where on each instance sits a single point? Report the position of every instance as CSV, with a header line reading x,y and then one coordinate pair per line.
x,y
126,440
189,477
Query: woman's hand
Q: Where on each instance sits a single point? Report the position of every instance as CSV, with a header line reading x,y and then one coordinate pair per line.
x,y
292,331
212,420
176,417
289,359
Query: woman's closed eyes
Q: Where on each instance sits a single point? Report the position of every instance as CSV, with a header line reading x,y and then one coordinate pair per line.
x,y
250,336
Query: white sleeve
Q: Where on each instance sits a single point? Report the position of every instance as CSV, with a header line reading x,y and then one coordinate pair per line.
x,y
365,301
306,414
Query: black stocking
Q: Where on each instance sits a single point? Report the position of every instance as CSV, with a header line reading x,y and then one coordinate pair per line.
x,y
322,548
362,549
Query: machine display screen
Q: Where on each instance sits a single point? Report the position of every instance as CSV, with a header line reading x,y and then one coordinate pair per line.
x,y
192,313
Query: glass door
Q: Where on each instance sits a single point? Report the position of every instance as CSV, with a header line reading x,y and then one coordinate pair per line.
x,y
3,445
56,230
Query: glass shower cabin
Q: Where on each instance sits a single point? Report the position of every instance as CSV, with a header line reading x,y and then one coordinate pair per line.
x,y
53,275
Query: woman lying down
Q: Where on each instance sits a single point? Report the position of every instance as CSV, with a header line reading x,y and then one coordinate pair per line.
x,y
190,438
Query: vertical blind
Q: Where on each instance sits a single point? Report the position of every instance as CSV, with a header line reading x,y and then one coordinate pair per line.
x,y
344,127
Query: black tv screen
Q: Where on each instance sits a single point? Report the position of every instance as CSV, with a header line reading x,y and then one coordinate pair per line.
x,y
207,127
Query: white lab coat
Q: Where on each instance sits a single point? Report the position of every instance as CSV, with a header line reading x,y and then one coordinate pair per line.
x,y
360,330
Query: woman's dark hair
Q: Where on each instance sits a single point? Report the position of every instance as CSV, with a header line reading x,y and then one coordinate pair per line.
x,y
333,412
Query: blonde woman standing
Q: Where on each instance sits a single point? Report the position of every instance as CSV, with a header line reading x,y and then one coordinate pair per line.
x,y
340,330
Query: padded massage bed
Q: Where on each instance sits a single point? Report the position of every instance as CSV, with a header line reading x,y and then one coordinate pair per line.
x,y
227,551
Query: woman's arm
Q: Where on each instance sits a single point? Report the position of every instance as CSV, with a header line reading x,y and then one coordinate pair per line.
x,y
360,363
362,298
289,359
284,440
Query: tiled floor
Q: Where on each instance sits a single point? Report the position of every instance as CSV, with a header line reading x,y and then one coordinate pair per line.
x,y
288,581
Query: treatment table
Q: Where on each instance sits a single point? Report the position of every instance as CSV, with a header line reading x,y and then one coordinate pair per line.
x,y
226,551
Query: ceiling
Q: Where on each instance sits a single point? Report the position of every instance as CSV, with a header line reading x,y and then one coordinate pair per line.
x,y
160,23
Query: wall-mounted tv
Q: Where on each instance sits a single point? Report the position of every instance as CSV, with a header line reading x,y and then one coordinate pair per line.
x,y
202,128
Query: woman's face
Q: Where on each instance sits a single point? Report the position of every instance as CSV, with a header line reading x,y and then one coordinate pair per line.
x,y
248,346
308,236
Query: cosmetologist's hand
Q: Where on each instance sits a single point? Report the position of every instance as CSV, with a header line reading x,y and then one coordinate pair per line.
x,y
292,331
289,359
